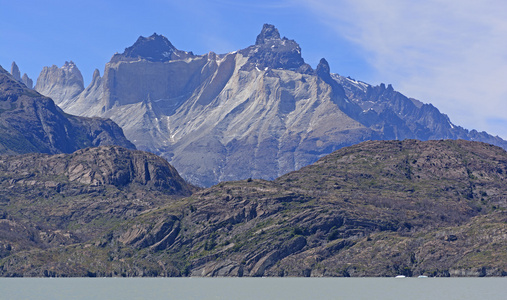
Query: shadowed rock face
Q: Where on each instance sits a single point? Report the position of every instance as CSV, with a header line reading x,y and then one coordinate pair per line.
x,y
271,51
258,112
155,48
31,122
268,33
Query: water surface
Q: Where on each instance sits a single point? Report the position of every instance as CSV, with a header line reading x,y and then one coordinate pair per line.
x,y
253,288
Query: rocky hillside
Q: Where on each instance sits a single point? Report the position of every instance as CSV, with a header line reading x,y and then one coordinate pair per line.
x,y
435,208
258,112
52,201
30,122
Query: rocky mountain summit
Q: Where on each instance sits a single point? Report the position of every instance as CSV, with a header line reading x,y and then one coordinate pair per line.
x,y
155,48
15,71
30,122
271,51
258,112
17,75
60,84
379,208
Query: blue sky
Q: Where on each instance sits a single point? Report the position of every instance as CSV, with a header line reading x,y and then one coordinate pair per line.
x,y
450,53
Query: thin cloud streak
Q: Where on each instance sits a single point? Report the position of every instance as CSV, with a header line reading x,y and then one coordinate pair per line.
x,y
452,54
257,5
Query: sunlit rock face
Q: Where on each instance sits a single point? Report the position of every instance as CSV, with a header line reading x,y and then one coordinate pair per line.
x,y
17,75
60,84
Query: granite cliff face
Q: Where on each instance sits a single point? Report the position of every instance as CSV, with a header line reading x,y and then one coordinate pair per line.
x,y
30,122
17,75
60,84
258,112
15,71
379,208
27,81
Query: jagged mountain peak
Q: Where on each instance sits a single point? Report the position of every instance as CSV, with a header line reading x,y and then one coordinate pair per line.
x,y
323,68
271,51
69,66
153,48
17,75
27,81
15,71
9,86
60,84
269,32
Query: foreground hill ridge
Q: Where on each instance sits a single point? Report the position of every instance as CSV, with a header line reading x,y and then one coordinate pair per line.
x,y
30,122
206,113
379,208
104,165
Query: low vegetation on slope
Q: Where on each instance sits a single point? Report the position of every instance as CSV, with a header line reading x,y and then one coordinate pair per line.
x,y
51,202
380,208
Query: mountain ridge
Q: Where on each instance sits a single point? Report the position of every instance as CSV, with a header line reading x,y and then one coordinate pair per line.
x,y
206,113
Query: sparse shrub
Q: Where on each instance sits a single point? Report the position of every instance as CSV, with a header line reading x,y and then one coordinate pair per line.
x,y
333,234
297,231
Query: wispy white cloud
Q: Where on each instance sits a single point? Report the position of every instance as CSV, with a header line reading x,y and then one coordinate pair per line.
x,y
452,53
257,4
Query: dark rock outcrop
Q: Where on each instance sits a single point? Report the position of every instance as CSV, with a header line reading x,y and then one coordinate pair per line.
x,y
271,51
102,166
155,48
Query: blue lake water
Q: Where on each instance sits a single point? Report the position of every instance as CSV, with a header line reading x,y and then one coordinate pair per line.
x,y
253,288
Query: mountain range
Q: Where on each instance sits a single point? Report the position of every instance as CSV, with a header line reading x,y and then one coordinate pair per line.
x,y
87,207
259,112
